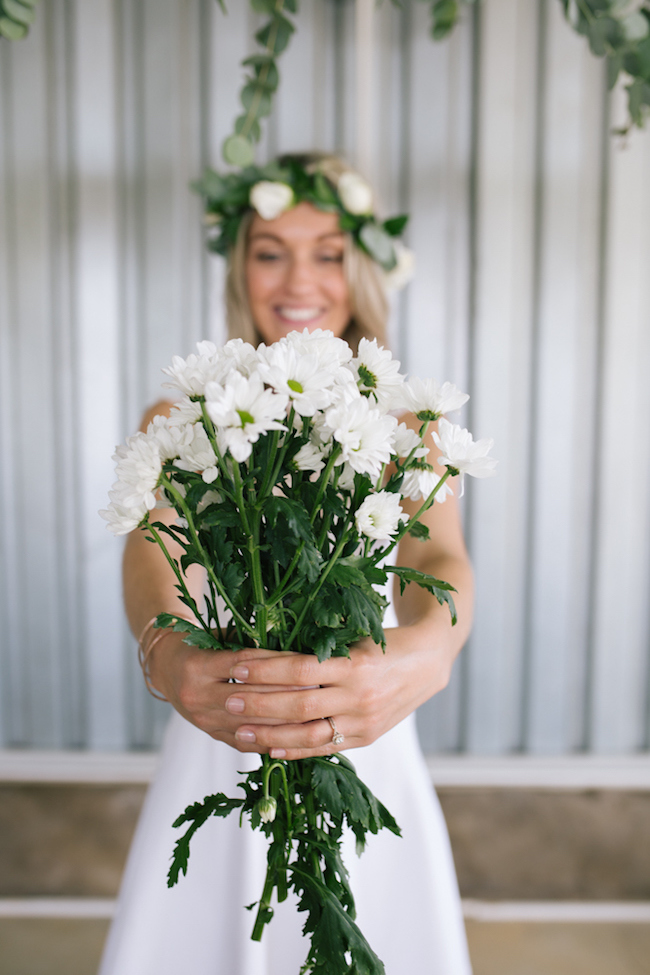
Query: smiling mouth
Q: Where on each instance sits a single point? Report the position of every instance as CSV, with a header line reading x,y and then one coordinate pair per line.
x,y
298,314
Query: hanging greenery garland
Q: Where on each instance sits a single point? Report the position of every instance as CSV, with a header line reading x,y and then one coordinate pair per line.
x,y
617,30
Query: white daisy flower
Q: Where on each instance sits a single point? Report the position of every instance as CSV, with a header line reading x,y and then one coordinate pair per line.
x,y
122,519
428,399
461,453
191,375
379,515
310,458
243,410
331,351
376,372
138,468
299,377
406,440
185,411
404,270
168,435
365,435
420,480
196,454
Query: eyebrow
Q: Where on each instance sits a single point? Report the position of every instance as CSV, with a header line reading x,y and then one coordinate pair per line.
x,y
263,233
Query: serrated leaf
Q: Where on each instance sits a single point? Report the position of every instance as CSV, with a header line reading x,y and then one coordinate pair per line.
x,y
441,590
417,529
196,815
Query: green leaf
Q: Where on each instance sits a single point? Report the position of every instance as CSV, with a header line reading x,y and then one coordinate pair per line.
x,y
238,151
441,590
378,244
19,12
419,530
255,99
444,15
275,35
12,30
292,512
197,814
396,225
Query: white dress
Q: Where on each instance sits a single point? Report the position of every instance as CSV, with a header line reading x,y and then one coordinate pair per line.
x,y
405,889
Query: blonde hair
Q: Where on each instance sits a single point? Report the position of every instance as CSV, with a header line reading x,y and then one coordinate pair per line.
x,y
364,277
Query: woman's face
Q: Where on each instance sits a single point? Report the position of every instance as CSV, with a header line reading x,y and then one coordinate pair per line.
x,y
294,273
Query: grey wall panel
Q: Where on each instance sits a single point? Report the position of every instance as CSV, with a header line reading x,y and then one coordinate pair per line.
x,y
531,232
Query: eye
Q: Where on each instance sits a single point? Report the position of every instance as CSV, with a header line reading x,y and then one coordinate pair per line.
x,y
331,258
267,256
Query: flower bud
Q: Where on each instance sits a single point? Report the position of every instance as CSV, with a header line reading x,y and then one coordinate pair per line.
x,y
267,808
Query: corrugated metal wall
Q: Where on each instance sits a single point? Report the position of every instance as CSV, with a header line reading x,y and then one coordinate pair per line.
x,y
532,229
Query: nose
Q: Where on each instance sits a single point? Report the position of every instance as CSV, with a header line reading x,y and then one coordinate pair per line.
x,y
300,279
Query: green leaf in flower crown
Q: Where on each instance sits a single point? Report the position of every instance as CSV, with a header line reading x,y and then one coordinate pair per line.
x,y
378,244
395,225
441,590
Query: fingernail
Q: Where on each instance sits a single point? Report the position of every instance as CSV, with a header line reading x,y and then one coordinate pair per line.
x,y
244,734
235,705
278,753
239,672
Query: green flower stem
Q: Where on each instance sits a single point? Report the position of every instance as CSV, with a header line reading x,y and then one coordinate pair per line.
x,y
270,468
208,426
383,553
179,575
285,785
265,903
251,115
323,481
239,619
252,536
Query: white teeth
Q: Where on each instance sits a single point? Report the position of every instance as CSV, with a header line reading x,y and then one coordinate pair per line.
x,y
299,314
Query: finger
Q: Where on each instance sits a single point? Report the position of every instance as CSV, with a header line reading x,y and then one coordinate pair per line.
x,y
316,737
292,707
296,669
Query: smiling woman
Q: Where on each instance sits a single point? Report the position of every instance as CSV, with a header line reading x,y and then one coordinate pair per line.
x,y
314,263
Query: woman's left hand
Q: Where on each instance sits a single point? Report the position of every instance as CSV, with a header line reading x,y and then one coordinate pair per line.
x,y
366,694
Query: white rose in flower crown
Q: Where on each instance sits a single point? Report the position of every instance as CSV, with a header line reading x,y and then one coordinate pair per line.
x,y
270,199
355,194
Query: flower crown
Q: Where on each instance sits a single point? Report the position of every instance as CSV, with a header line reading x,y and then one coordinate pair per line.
x,y
271,190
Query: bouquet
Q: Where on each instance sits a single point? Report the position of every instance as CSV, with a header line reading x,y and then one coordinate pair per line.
x,y
286,468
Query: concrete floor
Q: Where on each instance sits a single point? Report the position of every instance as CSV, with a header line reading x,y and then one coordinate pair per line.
x,y
55,947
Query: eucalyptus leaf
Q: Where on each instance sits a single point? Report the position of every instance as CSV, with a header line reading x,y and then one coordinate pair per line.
x,y
238,151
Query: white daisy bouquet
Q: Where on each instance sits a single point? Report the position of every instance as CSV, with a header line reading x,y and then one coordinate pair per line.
x,y
287,468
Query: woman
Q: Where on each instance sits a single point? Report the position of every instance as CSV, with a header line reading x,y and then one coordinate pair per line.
x,y
294,269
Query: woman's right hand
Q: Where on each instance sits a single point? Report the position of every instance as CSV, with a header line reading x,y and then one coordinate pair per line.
x,y
197,684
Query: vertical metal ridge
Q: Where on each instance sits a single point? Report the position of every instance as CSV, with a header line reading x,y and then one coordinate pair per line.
x,y
340,78
472,312
13,702
533,394
598,407
404,174
205,92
